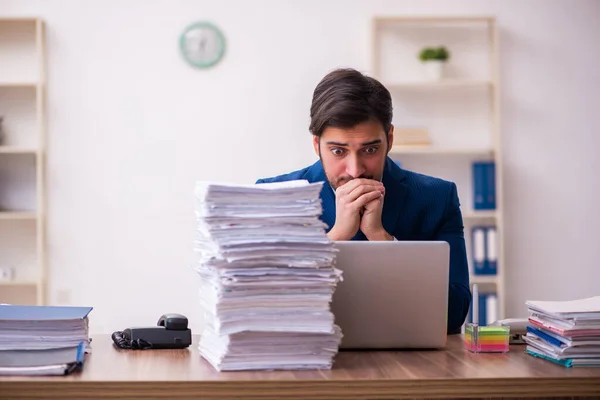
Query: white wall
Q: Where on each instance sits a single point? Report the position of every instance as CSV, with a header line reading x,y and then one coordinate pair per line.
x,y
131,127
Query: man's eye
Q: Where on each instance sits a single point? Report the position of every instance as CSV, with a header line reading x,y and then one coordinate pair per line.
x,y
337,152
370,150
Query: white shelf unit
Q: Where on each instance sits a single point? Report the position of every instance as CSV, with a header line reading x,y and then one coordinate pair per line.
x,y
446,83
17,150
407,150
460,112
22,160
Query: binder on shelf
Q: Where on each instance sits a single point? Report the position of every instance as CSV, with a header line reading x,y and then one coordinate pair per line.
x,y
491,244
478,186
491,308
484,185
482,310
478,247
484,246
490,185
488,309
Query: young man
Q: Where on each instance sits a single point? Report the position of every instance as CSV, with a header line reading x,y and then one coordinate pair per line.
x,y
366,196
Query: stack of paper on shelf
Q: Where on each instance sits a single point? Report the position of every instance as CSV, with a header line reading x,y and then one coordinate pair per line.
x,y
267,277
565,332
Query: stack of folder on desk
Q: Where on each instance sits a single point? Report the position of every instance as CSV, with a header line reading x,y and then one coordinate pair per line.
x,y
42,340
266,277
565,332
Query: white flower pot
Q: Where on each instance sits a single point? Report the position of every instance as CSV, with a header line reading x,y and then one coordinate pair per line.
x,y
434,69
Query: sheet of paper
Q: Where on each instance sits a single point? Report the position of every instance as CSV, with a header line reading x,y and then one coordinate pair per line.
x,y
588,306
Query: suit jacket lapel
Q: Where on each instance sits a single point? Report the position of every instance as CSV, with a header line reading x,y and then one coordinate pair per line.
x,y
395,194
316,174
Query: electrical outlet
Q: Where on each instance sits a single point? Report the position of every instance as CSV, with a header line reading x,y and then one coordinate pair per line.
x,y
63,296
7,273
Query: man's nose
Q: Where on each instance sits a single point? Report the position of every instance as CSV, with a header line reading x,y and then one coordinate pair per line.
x,y
354,168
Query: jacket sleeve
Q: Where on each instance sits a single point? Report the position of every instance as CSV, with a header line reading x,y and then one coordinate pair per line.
x,y
452,231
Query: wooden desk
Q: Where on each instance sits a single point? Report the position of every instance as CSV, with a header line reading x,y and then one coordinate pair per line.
x,y
111,373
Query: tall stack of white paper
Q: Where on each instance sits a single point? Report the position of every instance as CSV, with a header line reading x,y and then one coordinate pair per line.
x,y
565,332
267,277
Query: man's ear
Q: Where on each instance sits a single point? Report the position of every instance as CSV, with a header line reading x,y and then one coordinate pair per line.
x,y
390,138
316,144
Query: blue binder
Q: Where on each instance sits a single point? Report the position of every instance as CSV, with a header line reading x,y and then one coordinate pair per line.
x,y
482,310
490,186
484,185
545,336
491,251
479,196
479,249
484,250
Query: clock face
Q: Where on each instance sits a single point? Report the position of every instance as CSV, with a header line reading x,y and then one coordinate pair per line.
x,y
202,45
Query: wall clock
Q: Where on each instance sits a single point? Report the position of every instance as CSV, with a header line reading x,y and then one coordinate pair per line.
x,y
202,45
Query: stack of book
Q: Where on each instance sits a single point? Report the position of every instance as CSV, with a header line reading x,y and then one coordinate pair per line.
x,y
267,277
565,332
42,340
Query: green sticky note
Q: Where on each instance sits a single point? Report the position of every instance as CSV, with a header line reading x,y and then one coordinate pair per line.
x,y
494,330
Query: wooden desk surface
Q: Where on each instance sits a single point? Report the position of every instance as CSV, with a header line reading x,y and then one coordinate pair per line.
x,y
176,374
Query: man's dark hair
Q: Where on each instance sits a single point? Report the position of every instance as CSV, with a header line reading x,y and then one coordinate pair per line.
x,y
345,98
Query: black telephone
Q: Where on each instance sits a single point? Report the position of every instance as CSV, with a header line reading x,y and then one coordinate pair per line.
x,y
171,332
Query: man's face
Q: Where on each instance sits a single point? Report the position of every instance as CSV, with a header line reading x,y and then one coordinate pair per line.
x,y
358,152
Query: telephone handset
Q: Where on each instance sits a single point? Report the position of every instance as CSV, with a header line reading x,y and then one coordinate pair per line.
x,y
175,322
171,332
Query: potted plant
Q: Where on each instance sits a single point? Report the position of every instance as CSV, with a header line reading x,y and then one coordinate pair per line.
x,y
434,60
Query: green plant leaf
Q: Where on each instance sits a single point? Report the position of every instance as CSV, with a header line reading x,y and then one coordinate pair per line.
x,y
434,53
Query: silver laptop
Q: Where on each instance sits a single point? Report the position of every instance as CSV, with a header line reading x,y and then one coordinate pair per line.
x,y
394,295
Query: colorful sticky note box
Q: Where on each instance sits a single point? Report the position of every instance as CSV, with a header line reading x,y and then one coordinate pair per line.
x,y
487,339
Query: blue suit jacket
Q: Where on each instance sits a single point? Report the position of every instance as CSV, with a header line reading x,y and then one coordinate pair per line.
x,y
415,207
